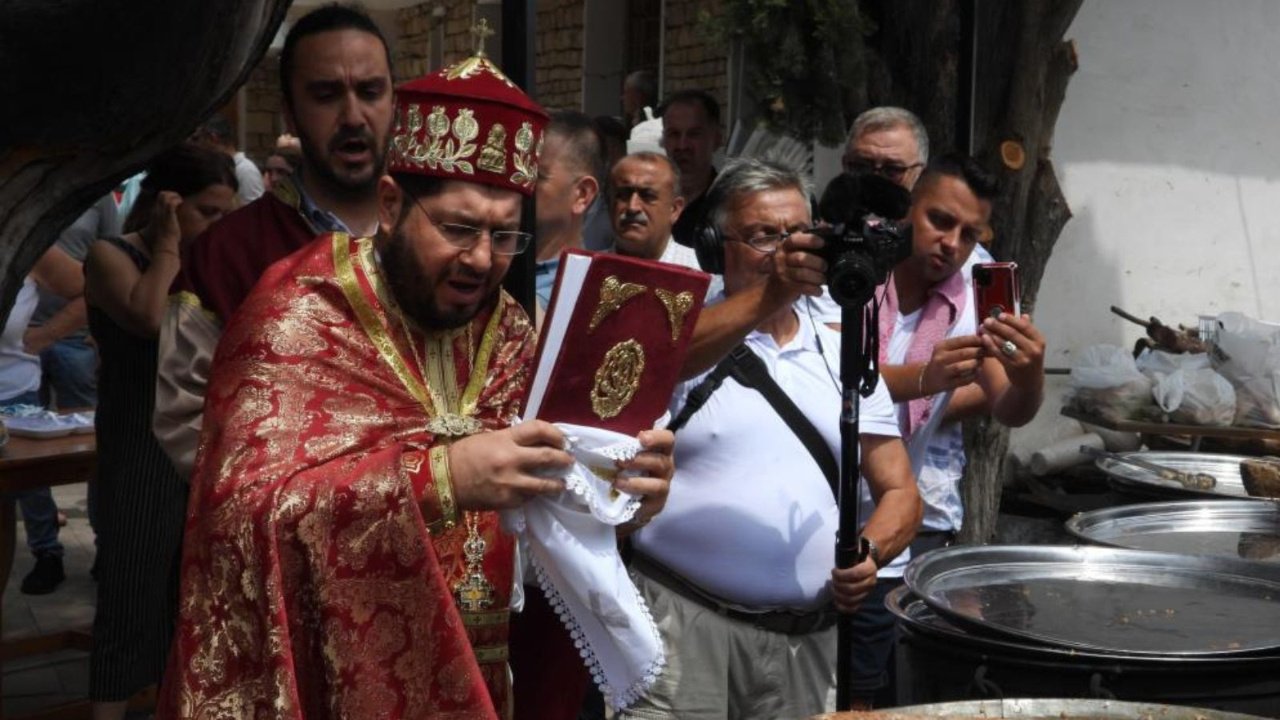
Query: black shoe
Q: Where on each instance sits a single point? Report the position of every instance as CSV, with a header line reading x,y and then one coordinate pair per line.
x,y
45,577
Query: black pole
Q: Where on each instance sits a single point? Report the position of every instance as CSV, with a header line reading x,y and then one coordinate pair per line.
x,y
853,366
518,29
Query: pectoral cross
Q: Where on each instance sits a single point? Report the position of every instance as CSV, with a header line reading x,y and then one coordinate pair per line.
x,y
481,32
474,593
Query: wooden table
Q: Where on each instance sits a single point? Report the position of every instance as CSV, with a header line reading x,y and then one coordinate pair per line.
x,y
26,464
1195,432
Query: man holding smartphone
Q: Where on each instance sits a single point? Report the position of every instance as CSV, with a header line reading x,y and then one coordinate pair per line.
x,y
942,363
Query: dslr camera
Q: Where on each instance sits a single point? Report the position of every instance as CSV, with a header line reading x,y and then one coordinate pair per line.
x,y
859,257
859,246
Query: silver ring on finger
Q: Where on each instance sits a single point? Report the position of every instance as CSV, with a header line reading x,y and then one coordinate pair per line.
x,y
1008,348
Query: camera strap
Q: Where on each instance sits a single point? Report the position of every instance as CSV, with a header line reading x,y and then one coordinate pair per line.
x,y
749,370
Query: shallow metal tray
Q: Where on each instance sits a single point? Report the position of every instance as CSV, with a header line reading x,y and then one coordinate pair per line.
x,y
1043,708
1224,468
917,617
1241,529
1109,600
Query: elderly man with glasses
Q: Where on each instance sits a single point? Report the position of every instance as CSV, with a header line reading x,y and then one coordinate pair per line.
x,y
739,569
890,142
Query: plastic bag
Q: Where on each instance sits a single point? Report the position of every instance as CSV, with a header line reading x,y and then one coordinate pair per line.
x,y
1196,397
1154,363
1105,383
1188,389
1247,354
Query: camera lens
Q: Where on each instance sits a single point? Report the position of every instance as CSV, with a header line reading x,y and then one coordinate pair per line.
x,y
851,279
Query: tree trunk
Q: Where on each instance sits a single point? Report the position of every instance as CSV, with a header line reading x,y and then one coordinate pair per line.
x,y
1023,71
1022,67
96,88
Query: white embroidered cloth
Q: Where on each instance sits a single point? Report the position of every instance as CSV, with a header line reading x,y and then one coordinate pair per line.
x,y
573,549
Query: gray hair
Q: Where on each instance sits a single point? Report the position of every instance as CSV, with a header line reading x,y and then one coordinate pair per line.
x,y
748,176
887,118
654,158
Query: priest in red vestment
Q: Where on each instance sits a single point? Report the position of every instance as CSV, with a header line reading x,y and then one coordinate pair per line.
x,y
343,556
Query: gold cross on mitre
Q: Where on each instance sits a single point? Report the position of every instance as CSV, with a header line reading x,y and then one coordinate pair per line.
x,y
481,32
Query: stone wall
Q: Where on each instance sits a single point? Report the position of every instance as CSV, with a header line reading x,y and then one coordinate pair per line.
x,y
411,52
263,117
692,61
558,54
412,55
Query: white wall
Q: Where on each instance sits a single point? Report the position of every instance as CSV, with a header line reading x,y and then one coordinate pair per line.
x,y
1169,156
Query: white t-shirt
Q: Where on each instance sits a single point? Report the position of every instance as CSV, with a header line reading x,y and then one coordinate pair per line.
x,y
937,449
750,516
677,254
248,178
19,369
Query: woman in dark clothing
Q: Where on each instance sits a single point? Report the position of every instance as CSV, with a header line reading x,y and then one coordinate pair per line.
x,y
141,497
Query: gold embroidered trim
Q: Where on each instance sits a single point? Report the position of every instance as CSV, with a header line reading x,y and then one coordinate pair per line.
x,y
526,173
493,157
438,369
677,305
452,154
491,654
377,333
412,463
617,379
613,293
480,365
486,618
444,485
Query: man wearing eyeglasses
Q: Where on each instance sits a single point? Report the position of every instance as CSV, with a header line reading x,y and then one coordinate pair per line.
x,y
346,558
887,141
890,142
739,570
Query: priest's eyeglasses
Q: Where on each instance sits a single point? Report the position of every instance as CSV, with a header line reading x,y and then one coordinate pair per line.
x,y
466,237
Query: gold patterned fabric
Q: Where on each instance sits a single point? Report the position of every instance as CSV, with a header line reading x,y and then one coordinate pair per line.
x,y
311,585
468,122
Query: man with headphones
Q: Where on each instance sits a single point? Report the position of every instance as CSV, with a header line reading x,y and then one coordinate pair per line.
x,y
749,528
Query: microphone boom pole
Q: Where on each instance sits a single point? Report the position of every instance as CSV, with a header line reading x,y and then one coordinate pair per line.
x,y
853,366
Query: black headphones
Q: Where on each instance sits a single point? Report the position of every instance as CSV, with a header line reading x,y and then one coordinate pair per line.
x,y
708,241
708,244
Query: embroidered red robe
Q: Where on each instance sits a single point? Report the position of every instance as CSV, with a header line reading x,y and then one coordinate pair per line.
x,y
317,576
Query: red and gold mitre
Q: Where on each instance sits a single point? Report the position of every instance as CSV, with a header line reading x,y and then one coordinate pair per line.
x,y
468,122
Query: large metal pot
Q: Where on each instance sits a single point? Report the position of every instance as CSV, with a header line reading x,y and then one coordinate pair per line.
x,y
939,662
1043,709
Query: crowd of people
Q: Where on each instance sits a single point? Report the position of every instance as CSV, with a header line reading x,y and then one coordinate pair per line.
x,y
309,379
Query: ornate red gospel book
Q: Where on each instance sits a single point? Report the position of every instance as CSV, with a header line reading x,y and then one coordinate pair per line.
x,y
616,333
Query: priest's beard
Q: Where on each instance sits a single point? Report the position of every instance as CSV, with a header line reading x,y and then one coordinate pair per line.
x,y
414,291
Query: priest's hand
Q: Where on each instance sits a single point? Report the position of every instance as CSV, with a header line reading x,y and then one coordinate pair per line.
x,y
850,586
503,469
649,476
